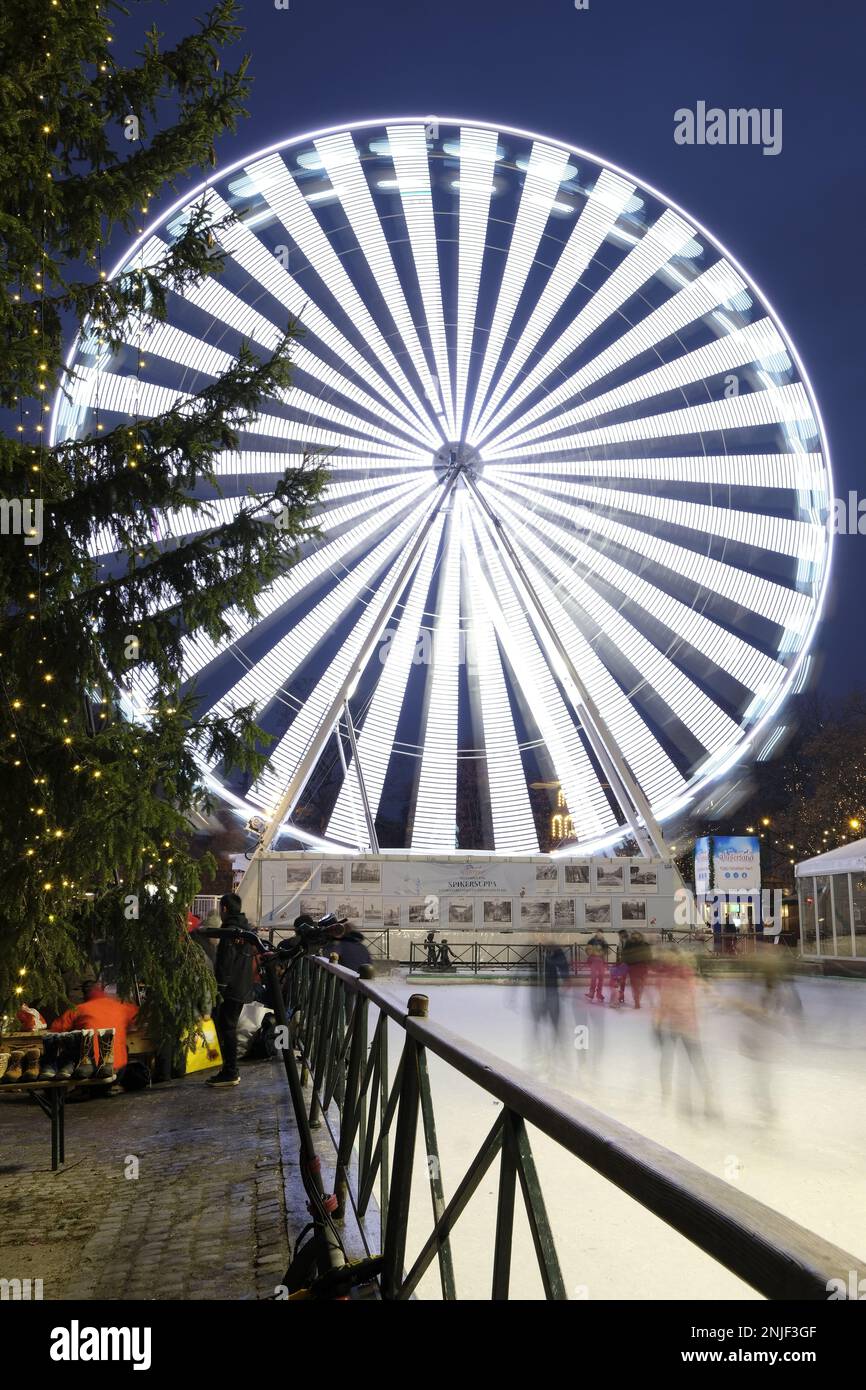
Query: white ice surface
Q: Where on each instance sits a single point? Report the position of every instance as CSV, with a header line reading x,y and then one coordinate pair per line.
x,y
805,1159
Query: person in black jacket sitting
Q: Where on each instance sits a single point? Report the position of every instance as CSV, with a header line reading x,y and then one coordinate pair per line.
x,y
234,972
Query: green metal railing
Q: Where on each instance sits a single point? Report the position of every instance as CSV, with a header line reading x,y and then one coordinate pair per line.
x,y
374,1120
477,956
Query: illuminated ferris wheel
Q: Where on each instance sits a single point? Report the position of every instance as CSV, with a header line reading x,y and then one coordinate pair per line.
x,y
574,532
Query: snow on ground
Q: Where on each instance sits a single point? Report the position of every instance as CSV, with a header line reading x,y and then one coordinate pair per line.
x,y
791,1131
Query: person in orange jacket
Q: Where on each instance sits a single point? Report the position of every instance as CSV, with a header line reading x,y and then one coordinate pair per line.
x,y
100,1010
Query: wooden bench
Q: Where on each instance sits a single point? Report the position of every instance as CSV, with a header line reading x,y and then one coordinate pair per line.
x,y
51,1098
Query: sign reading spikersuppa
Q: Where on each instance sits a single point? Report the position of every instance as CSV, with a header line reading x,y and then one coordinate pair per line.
x,y
483,891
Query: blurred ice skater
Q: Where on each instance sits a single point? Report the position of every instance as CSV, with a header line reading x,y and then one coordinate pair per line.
x,y
677,1030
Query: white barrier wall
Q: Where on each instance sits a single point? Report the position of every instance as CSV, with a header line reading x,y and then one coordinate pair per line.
x,y
455,893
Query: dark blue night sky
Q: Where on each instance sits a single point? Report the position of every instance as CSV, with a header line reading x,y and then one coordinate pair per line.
x,y
610,79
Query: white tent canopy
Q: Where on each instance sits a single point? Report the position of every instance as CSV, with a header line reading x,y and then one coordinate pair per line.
x,y
846,859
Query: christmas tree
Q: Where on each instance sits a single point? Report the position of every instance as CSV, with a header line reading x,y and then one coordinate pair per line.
x,y
94,819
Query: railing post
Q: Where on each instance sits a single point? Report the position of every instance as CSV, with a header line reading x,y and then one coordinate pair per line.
x,y
350,1102
320,1056
434,1170
384,1180
502,1243
404,1159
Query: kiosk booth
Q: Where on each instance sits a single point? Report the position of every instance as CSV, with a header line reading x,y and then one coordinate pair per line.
x,y
832,892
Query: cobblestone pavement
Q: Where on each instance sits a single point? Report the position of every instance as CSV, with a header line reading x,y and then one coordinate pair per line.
x,y
205,1217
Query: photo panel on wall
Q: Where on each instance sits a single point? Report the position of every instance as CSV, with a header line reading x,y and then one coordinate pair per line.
x,y
312,907
497,912
366,874
546,878
577,878
596,912
633,910
535,912
644,876
352,909
332,876
423,911
373,912
563,912
610,877
461,913
299,875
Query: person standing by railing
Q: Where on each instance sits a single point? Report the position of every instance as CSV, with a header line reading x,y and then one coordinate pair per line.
x,y
234,972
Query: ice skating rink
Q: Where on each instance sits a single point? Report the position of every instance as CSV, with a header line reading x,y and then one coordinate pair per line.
x,y
790,1129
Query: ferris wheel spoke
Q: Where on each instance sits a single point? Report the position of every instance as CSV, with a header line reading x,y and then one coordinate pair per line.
x,y
478,149
286,755
662,241
603,206
408,146
227,308
331,558
249,253
343,167
176,346
283,197
789,472
801,540
182,522
777,405
378,732
544,175
746,664
647,760
368,471
701,297
200,650
435,810
510,807
707,723
130,396
586,801
264,679
786,607
757,344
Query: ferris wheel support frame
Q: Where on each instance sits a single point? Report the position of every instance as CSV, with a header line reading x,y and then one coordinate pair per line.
x,y
365,800
628,793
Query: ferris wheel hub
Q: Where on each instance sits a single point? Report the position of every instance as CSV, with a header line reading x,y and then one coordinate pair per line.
x,y
457,454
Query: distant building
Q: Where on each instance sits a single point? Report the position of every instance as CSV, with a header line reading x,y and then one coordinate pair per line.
x,y
561,823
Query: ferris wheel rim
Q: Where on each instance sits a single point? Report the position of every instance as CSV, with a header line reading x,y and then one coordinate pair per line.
x,y
748,737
